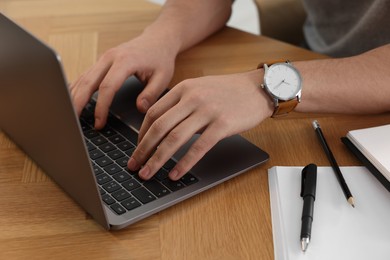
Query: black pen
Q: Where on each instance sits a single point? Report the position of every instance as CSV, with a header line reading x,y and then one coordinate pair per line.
x,y
335,166
308,193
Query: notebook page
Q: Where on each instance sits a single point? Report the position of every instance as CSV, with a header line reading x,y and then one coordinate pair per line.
x,y
339,231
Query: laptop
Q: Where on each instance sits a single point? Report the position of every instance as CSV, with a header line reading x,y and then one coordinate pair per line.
x,y
36,112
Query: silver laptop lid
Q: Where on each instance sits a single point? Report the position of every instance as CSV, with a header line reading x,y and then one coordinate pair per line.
x,y
33,92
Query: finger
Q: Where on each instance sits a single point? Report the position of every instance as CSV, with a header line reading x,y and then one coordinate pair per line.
x,y
87,84
107,89
157,110
211,136
77,101
157,84
171,143
158,130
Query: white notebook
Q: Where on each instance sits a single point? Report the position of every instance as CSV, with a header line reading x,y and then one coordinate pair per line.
x,y
374,143
338,231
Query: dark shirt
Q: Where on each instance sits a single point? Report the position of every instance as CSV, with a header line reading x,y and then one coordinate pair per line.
x,y
346,27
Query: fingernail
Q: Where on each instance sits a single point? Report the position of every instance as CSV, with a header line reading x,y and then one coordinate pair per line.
x,y
173,174
144,172
132,164
145,104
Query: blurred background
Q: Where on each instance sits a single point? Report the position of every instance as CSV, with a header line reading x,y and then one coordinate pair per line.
x,y
245,15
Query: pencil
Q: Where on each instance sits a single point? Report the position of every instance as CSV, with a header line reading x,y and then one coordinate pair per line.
x,y
334,164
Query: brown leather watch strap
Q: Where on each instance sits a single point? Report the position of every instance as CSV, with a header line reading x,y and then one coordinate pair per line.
x,y
285,107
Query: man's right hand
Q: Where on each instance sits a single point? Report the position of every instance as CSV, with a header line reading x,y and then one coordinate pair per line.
x,y
149,60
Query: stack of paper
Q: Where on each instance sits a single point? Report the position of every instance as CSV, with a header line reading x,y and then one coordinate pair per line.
x,y
339,231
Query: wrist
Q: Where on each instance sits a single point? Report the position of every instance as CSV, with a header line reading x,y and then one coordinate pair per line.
x,y
167,40
257,79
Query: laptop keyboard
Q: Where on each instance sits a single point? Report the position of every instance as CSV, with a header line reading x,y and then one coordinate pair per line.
x,y
109,150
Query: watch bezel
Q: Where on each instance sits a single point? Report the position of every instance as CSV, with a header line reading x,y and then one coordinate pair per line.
x,y
276,98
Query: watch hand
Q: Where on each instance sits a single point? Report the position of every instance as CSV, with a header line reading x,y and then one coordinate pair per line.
x,y
278,85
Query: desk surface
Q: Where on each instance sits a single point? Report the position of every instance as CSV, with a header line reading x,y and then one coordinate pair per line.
x,y
230,221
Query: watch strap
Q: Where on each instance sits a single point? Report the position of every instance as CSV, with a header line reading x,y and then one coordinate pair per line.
x,y
285,107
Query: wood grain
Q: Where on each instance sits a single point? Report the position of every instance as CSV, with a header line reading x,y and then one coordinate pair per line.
x,y
230,221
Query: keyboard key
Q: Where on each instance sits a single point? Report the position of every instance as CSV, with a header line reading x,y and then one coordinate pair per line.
x,y
131,203
116,139
189,179
103,178
111,186
122,161
118,209
121,195
116,154
91,133
161,174
94,154
107,147
108,199
121,176
96,169
131,184
101,191
112,168
173,185
104,161
156,188
143,195
108,131
125,146
99,140
90,146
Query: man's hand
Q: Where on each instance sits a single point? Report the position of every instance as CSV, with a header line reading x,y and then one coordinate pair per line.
x,y
216,106
150,61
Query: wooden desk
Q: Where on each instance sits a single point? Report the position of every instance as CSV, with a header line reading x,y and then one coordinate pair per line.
x,y
230,221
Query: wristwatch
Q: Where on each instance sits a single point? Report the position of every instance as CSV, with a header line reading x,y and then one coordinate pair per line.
x,y
283,83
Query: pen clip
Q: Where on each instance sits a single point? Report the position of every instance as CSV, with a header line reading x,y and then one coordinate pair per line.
x,y
303,178
305,170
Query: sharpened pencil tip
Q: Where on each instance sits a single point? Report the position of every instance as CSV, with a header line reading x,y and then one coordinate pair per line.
x,y
350,201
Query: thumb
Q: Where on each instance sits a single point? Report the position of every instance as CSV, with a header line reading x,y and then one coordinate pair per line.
x,y
157,84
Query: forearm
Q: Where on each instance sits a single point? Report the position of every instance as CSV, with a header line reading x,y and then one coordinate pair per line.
x,y
359,84
182,24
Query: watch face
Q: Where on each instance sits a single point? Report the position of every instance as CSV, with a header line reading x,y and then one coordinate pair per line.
x,y
283,81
